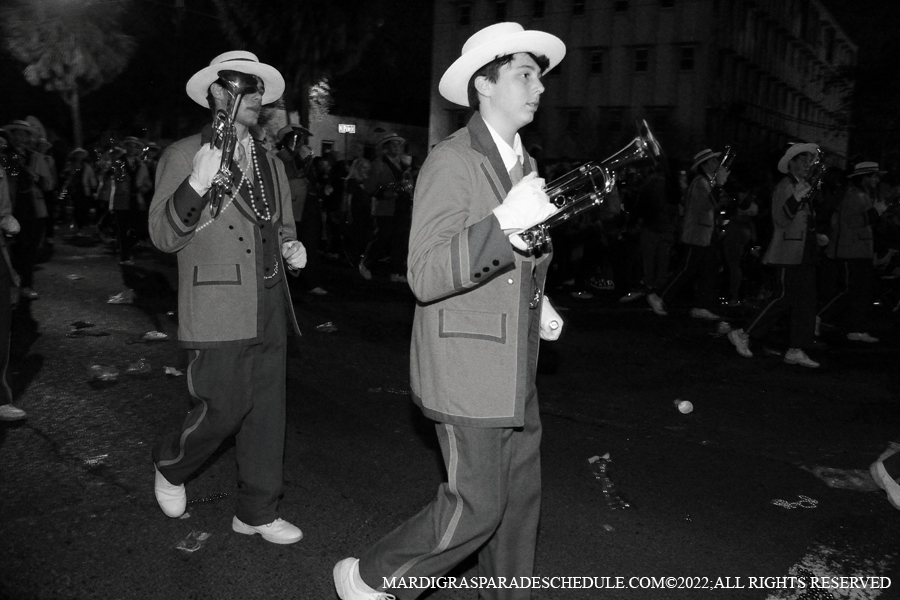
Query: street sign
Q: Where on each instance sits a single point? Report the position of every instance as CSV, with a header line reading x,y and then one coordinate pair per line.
x,y
346,128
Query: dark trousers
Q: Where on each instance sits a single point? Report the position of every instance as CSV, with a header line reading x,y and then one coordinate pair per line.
x,y
240,391
5,323
698,264
795,297
656,251
490,504
854,297
127,231
309,233
391,238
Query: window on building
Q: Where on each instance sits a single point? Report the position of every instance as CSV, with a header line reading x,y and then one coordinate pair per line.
x,y
641,59
621,6
573,120
615,118
464,14
500,10
578,7
538,9
596,61
686,61
659,118
327,146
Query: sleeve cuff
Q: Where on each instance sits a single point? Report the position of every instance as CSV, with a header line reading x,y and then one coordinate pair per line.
x,y
185,208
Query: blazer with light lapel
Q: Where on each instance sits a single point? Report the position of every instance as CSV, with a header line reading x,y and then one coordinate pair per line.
x,y
790,234
475,339
852,226
220,261
699,213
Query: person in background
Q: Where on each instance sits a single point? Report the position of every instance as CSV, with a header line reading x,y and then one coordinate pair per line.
x,y
699,260
793,254
9,227
852,245
359,209
78,187
740,232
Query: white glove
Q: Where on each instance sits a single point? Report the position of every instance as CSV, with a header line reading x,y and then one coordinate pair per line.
x,y
551,322
822,239
9,225
880,206
525,205
800,190
722,177
294,254
206,165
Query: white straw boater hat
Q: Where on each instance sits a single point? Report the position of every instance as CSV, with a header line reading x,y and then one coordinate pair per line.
x,y
866,168
703,156
236,60
390,137
793,150
493,42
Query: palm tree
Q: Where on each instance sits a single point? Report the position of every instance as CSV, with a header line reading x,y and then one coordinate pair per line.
x,y
71,48
307,40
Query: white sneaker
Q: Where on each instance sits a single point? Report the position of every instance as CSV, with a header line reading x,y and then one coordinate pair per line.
x,y
366,273
741,342
796,356
657,304
317,291
862,337
702,313
278,531
8,412
884,479
172,499
350,586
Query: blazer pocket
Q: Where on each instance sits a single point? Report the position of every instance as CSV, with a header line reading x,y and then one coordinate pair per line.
x,y
217,274
472,324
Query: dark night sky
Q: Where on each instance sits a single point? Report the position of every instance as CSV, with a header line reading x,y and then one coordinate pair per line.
x,y
392,83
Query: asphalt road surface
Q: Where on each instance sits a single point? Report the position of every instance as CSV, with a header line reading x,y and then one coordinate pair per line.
x,y
758,490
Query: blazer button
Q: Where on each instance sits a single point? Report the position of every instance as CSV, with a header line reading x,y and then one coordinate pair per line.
x,y
509,281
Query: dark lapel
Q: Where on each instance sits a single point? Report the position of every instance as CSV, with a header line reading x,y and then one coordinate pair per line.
x,y
483,143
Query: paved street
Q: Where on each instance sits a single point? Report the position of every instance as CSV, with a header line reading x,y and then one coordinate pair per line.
x,y
78,519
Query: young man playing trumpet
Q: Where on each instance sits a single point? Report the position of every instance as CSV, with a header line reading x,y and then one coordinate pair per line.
x,y
234,308
479,319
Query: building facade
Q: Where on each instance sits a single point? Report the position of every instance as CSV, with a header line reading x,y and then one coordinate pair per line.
x,y
753,74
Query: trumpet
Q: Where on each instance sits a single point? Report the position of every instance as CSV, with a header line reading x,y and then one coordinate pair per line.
x,y
816,170
725,163
588,186
225,136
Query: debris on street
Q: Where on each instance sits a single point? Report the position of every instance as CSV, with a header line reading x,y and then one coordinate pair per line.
x,y
95,461
193,542
126,297
210,498
173,371
684,406
101,373
326,327
803,502
152,336
599,466
138,367
74,277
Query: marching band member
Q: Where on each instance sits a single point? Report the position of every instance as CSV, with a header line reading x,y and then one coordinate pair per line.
x,y
234,308
699,260
793,252
477,327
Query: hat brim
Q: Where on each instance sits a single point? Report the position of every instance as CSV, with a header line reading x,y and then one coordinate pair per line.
x,y
395,138
454,83
198,85
867,172
794,151
704,159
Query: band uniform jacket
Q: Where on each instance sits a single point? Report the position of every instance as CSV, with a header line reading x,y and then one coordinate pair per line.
x,y
220,261
851,226
699,213
474,341
791,228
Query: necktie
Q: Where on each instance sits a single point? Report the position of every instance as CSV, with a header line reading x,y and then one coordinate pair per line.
x,y
516,173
